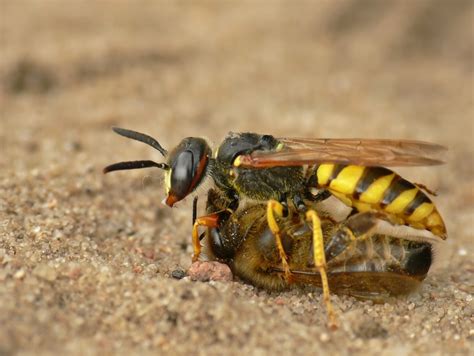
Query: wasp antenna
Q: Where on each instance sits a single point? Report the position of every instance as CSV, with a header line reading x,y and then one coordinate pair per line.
x,y
120,166
138,136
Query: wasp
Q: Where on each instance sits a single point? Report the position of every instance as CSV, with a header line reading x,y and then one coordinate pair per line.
x,y
353,256
282,170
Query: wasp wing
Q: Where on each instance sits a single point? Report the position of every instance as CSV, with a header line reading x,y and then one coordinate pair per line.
x,y
364,152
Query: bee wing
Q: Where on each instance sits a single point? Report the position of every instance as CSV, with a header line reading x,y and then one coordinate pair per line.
x,y
364,285
364,152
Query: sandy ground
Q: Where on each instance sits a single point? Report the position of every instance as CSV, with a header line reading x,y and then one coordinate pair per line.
x,y
86,260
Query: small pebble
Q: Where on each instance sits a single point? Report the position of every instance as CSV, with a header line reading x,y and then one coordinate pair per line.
x,y
324,337
209,271
178,274
19,274
45,272
280,301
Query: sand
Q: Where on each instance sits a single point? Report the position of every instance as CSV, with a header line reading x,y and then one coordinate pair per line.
x,y
91,264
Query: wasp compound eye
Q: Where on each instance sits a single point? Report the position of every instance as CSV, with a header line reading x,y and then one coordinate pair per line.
x,y
182,174
188,164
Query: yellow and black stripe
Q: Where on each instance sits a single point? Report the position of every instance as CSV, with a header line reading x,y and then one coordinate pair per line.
x,y
379,189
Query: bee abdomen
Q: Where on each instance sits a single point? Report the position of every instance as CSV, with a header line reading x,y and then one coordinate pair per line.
x,y
380,189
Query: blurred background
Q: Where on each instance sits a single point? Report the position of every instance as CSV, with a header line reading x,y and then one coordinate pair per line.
x,y
365,68
71,70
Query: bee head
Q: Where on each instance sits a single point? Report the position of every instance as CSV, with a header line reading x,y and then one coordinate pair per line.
x,y
185,166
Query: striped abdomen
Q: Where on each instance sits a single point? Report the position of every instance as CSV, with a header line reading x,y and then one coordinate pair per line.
x,y
379,189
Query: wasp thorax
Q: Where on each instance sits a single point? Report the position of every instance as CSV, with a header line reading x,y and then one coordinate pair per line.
x,y
188,163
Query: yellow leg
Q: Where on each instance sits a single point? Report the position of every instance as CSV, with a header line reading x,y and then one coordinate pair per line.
x,y
208,221
320,263
275,208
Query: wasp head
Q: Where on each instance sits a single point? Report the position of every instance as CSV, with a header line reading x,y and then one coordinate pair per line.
x,y
185,166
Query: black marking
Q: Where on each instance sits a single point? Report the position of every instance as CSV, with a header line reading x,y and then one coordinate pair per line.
x,y
195,203
313,180
236,144
370,175
311,176
419,199
335,172
133,165
353,212
419,260
336,244
396,187
138,136
299,203
319,196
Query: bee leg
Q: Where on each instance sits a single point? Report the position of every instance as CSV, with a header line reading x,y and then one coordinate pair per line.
x,y
358,228
210,220
320,263
276,208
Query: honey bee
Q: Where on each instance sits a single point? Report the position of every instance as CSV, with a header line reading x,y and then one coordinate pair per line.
x,y
279,171
355,256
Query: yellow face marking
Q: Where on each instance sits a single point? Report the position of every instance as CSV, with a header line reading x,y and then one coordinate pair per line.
x,y
324,172
168,180
237,161
401,202
374,194
347,179
421,212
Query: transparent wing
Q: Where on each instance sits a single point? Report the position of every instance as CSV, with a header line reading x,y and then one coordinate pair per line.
x,y
364,152
377,286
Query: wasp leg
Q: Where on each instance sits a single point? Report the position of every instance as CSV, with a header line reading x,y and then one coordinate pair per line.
x,y
276,208
195,204
320,263
210,220
358,228
299,203
284,203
